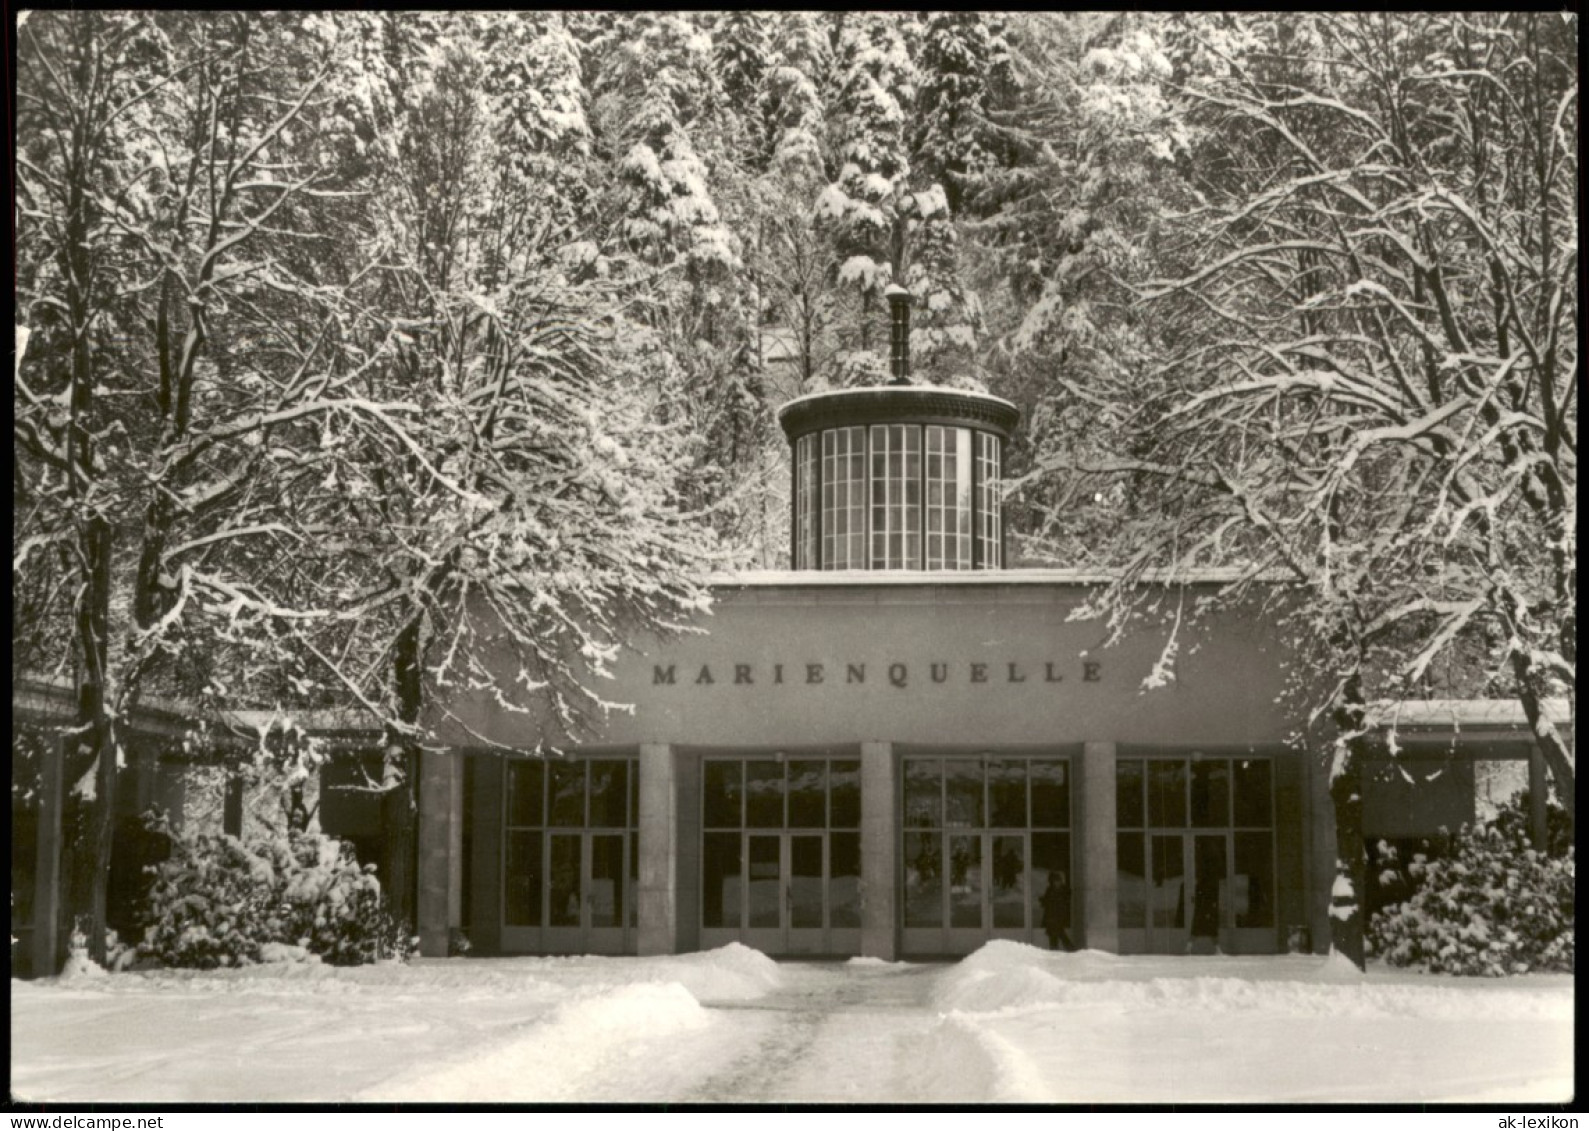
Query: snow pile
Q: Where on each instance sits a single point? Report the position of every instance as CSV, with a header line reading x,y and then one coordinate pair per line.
x,y
550,1059
1009,977
285,953
730,973
81,968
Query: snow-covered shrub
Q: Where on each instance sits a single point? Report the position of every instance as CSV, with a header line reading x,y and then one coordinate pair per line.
x,y
222,901
1494,906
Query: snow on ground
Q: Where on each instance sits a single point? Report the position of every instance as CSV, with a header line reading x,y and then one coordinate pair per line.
x,y
1010,1023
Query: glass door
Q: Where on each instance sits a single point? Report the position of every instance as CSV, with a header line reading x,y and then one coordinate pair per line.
x,y
1167,920
571,857
1195,855
986,852
780,855
786,896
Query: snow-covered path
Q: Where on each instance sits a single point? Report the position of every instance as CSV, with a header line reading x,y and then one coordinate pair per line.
x,y
1008,1024
829,1032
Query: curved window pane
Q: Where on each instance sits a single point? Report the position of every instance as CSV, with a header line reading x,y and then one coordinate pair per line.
x,y
989,530
844,498
806,502
896,496
948,499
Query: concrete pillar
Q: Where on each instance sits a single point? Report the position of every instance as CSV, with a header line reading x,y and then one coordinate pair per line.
x,y
879,852
436,867
1100,901
659,868
46,940
1538,823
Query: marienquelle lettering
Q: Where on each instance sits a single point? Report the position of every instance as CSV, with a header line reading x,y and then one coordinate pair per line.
x,y
899,673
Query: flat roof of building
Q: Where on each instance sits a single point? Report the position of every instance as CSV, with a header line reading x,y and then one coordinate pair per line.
x,y
830,578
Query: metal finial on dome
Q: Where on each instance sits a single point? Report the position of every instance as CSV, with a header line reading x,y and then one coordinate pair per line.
x,y
899,334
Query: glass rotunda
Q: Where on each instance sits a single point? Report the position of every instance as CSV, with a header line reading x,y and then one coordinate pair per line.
x,y
898,477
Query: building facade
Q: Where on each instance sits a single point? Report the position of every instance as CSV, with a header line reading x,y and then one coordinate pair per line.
x,y
899,748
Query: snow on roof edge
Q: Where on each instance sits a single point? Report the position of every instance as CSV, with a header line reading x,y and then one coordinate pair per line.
x,y
894,388
1463,713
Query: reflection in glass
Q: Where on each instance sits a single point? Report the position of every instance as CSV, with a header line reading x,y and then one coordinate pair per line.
x,y
844,885
1007,793
606,880
1050,794
1208,885
1051,864
766,881
609,794
845,782
1252,793
962,794
1167,793
523,873
805,881
923,880
808,795
764,795
1253,885
1128,795
965,881
567,793
923,793
1211,793
1169,882
1133,881
525,792
720,869
1009,881
723,795
564,877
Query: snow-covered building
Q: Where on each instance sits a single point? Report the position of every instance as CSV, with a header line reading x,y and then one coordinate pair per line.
x,y
903,748
899,747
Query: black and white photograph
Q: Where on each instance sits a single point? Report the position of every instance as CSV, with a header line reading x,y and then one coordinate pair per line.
x,y
778,558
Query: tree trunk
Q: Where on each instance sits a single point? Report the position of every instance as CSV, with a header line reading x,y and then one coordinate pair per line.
x,y
1545,734
93,629
401,804
1348,915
